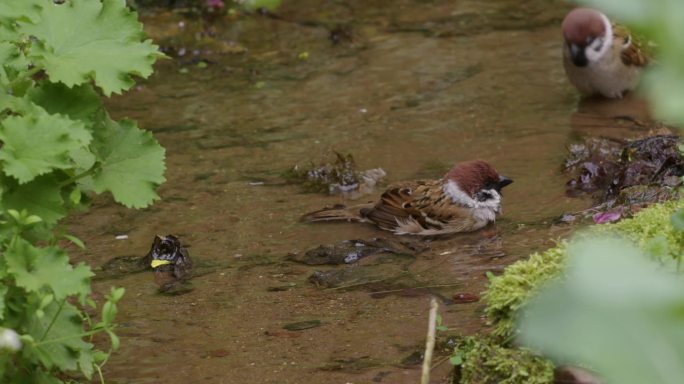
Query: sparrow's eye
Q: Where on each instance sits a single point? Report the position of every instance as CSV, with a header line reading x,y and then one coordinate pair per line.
x,y
484,196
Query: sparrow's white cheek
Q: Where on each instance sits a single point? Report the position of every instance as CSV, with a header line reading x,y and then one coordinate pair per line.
x,y
595,50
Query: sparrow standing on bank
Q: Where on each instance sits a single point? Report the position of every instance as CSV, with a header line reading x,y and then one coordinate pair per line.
x,y
600,57
466,199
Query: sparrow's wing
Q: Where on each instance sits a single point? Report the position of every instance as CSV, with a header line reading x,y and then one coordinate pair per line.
x,y
394,206
420,208
440,212
632,48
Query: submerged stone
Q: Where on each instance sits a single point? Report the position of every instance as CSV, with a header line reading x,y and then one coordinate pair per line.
x,y
351,251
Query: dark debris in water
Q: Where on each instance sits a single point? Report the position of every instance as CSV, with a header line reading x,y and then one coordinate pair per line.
x,y
624,176
351,251
302,325
339,176
351,365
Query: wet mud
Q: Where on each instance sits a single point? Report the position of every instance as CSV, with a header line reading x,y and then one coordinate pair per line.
x,y
408,86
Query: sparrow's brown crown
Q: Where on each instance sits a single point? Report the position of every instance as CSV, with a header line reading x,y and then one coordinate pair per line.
x,y
583,25
473,176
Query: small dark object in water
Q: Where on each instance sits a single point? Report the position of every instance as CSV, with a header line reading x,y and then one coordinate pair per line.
x,y
171,263
412,360
351,251
338,177
607,167
462,298
340,33
302,325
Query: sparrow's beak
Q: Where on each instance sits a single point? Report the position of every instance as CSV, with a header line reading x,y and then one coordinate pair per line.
x,y
503,181
158,263
579,58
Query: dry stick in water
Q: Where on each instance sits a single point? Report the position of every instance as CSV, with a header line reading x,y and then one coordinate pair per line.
x,y
430,342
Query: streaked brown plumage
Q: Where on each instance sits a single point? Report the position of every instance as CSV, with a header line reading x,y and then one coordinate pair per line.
x,y
601,57
466,199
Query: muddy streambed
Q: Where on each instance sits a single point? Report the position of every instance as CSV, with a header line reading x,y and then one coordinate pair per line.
x,y
410,87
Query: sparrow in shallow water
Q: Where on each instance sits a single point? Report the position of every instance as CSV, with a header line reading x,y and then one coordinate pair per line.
x,y
600,57
169,260
467,198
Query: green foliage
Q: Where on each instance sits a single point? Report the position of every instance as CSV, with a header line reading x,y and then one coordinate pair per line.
x,y
58,146
484,361
615,310
106,46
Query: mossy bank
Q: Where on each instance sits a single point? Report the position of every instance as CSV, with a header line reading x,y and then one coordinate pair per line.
x,y
494,358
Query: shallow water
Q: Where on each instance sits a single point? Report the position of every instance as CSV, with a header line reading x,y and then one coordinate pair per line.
x,y
418,86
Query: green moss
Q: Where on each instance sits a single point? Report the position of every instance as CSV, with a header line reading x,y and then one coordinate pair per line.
x,y
651,223
487,362
493,359
521,280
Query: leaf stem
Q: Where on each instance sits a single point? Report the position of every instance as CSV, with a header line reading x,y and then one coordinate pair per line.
x,y
78,177
54,318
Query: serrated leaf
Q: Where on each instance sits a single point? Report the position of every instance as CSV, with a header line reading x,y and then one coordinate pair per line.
x,y
40,197
57,335
85,363
132,164
38,143
37,268
12,60
20,10
83,40
79,102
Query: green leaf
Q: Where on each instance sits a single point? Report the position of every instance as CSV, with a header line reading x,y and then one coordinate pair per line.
x,y
36,144
256,4
677,220
83,40
109,312
36,268
59,337
40,197
615,311
456,358
12,61
12,10
3,292
117,294
75,240
79,103
115,340
132,164
86,364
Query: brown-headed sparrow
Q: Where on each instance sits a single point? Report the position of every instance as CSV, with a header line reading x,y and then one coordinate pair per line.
x,y
466,199
600,57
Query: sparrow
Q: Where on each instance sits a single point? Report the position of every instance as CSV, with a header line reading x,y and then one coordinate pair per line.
x,y
466,199
600,57
169,260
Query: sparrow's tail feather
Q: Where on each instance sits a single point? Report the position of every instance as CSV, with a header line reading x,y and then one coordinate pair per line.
x,y
338,212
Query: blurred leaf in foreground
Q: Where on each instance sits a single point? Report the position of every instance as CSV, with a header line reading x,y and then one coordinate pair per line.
x,y
616,312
